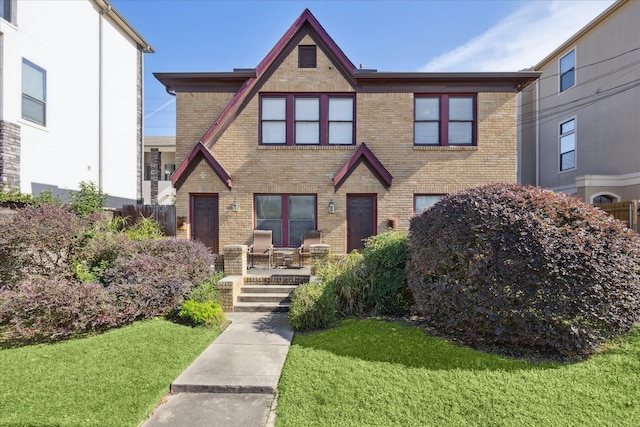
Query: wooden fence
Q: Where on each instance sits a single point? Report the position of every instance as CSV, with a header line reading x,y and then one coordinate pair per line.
x,y
624,211
165,215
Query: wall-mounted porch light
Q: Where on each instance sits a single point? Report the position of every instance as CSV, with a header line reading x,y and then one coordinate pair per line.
x,y
332,207
234,205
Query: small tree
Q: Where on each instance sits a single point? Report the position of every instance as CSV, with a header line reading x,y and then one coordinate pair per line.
x,y
88,199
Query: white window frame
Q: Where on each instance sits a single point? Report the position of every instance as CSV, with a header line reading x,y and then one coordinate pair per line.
x,y
573,70
30,98
561,135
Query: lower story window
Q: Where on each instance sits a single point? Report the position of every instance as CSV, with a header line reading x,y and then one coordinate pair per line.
x,y
423,201
288,216
568,145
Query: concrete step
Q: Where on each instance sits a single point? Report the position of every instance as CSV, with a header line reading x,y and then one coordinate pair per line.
x,y
263,297
261,307
268,289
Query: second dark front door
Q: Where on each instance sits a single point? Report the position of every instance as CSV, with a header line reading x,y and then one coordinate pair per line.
x,y
361,220
205,220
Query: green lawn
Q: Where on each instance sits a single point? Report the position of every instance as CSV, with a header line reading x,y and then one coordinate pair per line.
x,y
113,379
375,373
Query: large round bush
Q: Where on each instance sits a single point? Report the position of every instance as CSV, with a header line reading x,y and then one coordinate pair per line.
x,y
524,269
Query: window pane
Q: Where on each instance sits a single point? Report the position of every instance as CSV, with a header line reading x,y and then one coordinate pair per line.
x,y
169,169
274,108
427,108
296,230
567,126
269,215
423,202
460,108
568,143
302,207
33,79
5,9
32,110
341,133
567,80
307,133
341,109
274,133
568,62
427,133
268,206
460,133
307,109
568,161
275,225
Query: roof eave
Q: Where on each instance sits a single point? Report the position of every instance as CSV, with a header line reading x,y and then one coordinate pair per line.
x,y
108,9
584,30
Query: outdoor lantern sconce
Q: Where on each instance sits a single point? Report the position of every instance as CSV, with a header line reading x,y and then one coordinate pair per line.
x,y
234,205
180,222
332,207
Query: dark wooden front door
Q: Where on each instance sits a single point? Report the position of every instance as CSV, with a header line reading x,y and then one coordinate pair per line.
x,y
205,221
361,220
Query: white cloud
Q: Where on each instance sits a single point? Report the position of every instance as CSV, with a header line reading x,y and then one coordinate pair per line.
x,y
522,39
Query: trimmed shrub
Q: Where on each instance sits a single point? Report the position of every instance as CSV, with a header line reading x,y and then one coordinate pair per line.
x,y
157,276
313,306
385,259
39,241
206,313
42,310
524,269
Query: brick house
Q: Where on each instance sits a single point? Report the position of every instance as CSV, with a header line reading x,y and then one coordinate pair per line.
x,y
307,140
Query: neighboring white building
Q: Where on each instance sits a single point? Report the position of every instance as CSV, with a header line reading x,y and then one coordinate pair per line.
x,y
159,157
71,98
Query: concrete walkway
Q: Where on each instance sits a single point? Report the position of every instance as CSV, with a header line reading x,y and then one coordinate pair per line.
x,y
233,382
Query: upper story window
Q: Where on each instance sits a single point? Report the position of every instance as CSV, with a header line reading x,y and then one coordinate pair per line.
x,y
313,119
445,120
568,145
5,10
34,90
568,71
307,57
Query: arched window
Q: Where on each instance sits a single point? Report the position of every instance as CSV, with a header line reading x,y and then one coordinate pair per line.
x,y
603,198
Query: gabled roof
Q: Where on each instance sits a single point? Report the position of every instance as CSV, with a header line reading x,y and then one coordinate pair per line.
x,y
363,154
306,18
198,153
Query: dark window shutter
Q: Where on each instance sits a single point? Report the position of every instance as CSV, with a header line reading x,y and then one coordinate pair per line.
x,y
307,57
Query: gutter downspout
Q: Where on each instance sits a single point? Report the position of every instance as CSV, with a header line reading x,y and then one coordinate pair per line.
x,y
537,133
100,97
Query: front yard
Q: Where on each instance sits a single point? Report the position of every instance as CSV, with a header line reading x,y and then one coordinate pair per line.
x,y
112,379
374,373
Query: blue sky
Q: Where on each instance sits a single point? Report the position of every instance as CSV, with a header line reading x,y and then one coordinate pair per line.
x,y
428,35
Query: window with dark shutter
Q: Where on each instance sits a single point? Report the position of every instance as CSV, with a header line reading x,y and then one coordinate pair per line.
x,y
307,57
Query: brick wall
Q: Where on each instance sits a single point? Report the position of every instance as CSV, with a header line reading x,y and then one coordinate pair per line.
x,y
384,122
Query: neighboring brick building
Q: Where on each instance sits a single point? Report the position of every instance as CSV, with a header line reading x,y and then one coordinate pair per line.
x,y
308,141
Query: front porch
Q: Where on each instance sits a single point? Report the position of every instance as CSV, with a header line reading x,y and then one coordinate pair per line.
x,y
261,287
